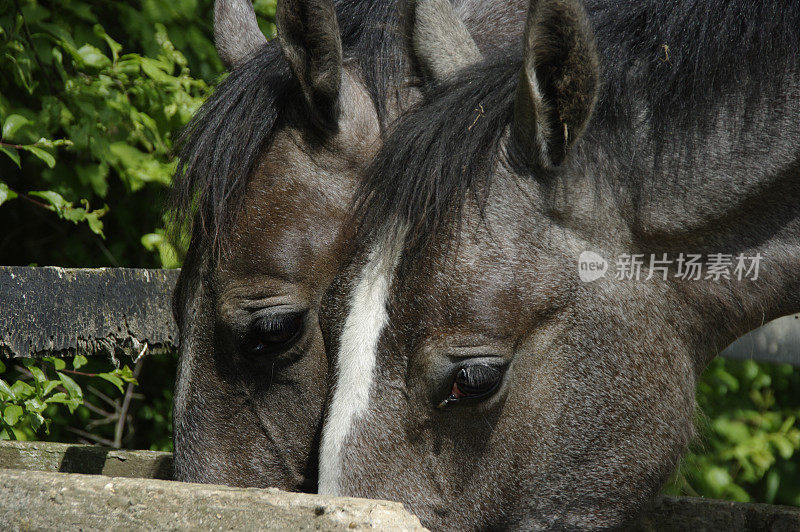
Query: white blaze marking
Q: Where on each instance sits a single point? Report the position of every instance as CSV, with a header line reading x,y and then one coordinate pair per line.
x,y
355,364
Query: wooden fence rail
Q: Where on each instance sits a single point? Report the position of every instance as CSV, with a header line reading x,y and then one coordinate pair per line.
x,y
61,312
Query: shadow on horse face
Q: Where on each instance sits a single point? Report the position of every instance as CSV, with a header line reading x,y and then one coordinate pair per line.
x,y
251,381
477,378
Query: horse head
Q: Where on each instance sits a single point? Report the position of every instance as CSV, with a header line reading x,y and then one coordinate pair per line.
x,y
269,163
481,375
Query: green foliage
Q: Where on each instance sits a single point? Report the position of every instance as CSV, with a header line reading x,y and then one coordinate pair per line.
x,y
91,99
24,404
750,441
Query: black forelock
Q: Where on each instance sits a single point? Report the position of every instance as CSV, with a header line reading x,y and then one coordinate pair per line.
x,y
445,149
438,153
221,145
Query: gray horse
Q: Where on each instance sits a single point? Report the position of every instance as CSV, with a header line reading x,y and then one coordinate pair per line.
x,y
551,248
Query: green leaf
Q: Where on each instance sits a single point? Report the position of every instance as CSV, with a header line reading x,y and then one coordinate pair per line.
x,y
126,374
13,154
34,404
115,47
784,446
12,413
93,219
113,379
56,200
57,363
12,125
40,153
79,361
59,397
156,70
2,367
6,391
92,57
38,374
49,387
72,387
22,390
36,420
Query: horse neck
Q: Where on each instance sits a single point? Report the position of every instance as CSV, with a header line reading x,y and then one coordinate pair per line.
x,y
724,183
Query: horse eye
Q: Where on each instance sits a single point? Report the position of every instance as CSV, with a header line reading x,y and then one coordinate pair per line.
x,y
475,381
274,334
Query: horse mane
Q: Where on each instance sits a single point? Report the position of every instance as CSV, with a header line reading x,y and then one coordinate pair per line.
x,y
445,149
220,146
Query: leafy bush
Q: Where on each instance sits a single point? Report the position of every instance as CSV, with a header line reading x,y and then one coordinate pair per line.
x,y
92,97
91,100
28,403
749,446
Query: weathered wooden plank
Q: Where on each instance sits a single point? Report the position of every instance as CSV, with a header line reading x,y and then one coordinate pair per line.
x,y
33,500
88,459
777,342
60,312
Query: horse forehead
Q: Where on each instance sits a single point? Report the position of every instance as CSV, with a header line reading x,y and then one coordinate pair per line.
x,y
486,287
292,215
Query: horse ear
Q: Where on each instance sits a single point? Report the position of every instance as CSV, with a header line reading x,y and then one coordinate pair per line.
x,y
236,32
558,83
309,36
441,42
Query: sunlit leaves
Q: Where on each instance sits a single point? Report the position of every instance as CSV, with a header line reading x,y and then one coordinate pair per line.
x,y
67,211
750,445
28,402
99,113
119,377
159,243
6,193
12,413
12,124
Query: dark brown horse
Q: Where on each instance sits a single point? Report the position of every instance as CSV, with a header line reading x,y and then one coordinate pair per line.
x,y
269,163
480,375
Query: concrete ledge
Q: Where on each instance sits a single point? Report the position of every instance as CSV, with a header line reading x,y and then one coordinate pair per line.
x,y
35,493
32,500
681,514
35,500
66,458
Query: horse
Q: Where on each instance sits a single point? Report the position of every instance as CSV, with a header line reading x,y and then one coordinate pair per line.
x,y
515,337
265,178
